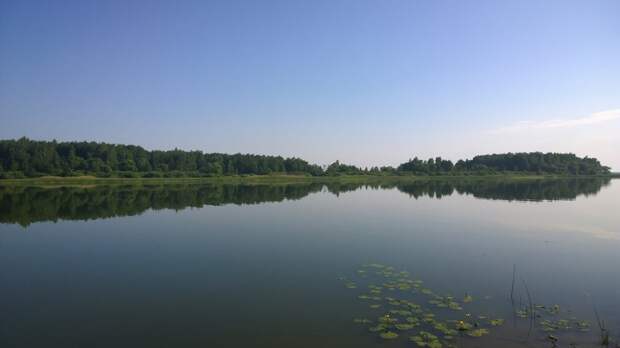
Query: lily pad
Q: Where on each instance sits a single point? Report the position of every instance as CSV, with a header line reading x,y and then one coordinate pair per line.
x,y
386,319
463,325
497,322
444,329
478,332
377,328
404,326
582,325
555,309
426,339
522,313
350,285
413,320
455,306
388,335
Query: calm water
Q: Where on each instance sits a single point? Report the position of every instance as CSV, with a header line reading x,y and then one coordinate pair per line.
x,y
262,266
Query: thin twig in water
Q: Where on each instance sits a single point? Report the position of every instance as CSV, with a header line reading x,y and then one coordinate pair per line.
x,y
512,299
531,305
601,326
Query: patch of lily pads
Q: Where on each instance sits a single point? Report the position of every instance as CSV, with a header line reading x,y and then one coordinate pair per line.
x,y
392,293
408,308
426,339
552,318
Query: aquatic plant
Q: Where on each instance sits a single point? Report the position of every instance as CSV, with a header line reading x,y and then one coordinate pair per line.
x,y
455,306
582,325
554,340
413,321
405,326
401,313
426,291
462,325
350,285
468,298
377,328
426,339
478,332
445,329
386,319
552,325
496,322
388,335
605,339
523,313
429,318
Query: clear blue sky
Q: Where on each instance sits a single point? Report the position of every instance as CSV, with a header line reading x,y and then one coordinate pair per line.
x,y
367,82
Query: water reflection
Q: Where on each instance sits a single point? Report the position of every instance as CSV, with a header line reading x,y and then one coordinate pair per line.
x,y
510,190
25,205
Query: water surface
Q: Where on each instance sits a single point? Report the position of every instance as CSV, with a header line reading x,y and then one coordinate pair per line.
x,y
261,265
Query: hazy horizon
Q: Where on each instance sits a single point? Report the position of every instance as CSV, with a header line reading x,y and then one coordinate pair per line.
x,y
364,82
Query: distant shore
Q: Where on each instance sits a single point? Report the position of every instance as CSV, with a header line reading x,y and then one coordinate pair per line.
x,y
275,179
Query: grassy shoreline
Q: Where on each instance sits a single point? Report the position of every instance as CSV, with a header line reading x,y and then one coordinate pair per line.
x,y
275,179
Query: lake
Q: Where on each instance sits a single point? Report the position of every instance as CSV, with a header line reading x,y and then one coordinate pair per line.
x,y
518,262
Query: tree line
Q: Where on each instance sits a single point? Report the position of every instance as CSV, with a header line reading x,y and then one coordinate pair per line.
x,y
29,158
525,162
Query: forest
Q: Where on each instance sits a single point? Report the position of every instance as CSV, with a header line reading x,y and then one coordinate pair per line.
x,y
26,158
530,162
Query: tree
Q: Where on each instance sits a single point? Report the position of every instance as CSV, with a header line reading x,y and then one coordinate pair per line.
x,y
33,158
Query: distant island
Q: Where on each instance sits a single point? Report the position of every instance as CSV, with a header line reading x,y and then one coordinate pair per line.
x,y
25,158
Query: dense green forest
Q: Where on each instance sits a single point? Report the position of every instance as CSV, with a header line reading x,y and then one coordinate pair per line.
x,y
28,158
531,162
24,157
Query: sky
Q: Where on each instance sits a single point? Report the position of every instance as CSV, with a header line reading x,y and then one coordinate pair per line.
x,y
364,82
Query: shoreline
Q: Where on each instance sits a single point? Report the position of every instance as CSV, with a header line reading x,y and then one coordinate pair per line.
x,y
280,179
